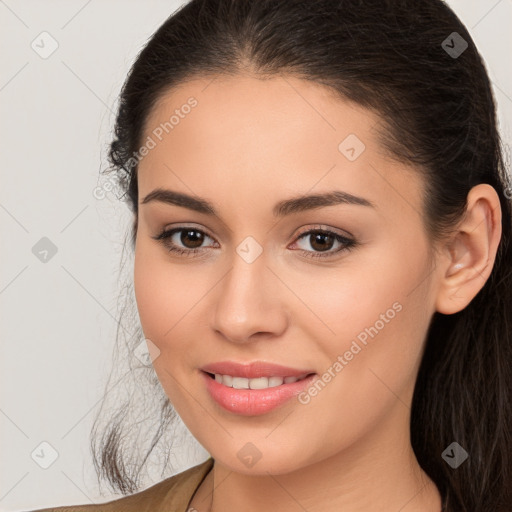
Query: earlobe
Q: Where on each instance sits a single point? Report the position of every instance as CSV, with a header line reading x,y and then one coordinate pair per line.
x,y
471,251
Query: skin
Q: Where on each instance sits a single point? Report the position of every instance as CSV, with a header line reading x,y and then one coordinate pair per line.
x,y
248,144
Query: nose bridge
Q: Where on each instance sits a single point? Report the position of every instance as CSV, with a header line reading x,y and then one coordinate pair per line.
x,y
248,300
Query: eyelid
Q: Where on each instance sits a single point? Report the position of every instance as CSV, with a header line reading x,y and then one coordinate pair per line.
x,y
183,227
324,227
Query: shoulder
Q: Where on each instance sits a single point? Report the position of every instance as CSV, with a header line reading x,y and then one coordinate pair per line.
x,y
171,495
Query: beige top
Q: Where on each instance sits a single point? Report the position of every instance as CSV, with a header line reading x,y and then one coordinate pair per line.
x,y
171,495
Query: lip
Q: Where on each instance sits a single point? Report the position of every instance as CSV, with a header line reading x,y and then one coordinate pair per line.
x,y
254,369
253,402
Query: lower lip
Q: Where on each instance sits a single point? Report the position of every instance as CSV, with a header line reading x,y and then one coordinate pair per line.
x,y
253,402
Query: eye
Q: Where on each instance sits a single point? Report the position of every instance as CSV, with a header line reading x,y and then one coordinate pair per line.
x,y
191,238
323,240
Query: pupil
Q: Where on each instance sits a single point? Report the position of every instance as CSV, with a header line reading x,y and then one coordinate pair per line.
x,y
198,239
318,237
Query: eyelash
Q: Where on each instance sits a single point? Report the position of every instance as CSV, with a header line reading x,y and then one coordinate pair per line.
x,y
348,243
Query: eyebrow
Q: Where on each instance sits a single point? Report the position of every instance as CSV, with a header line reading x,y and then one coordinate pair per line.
x,y
281,209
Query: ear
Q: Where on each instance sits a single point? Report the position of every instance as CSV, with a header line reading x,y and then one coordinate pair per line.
x,y
469,255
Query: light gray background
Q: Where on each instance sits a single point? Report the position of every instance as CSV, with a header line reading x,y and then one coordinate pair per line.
x,y
58,318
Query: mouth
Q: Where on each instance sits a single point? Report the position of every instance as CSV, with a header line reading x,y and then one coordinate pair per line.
x,y
256,396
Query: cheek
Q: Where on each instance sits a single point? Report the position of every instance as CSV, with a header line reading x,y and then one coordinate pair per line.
x,y
374,313
163,301
161,292
371,358
148,293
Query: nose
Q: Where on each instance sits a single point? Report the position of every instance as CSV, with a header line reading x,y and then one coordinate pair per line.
x,y
248,303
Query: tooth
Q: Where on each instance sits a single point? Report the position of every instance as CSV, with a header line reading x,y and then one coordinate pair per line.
x,y
227,380
240,383
256,383
274,381
259,383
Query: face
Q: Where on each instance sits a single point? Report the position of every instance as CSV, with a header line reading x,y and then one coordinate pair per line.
x,y
350,302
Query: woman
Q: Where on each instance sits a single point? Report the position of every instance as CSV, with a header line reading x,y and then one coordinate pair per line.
x,y
322,241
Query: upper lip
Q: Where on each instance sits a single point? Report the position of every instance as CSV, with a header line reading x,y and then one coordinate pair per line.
x,y
254,369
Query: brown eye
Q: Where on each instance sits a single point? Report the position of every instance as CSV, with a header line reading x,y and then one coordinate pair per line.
x,y
322,241
183,240
196,237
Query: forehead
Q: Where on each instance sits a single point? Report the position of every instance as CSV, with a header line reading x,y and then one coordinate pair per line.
x,y
260,110
270,137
